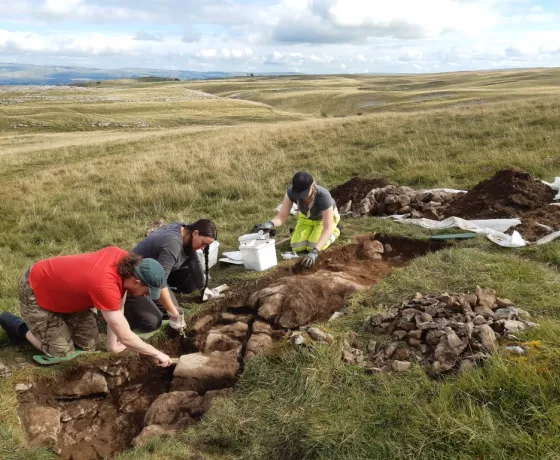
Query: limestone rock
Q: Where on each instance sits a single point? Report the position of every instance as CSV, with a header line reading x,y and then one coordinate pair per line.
x,y
197,372
90,383
478,320
401,366
484,311
515,326
173,409
257,344
487,337
504,303
21,387
506,313
260,327
486,297
5,371
77,409
42,423
201,323
370,250
320,336
216,341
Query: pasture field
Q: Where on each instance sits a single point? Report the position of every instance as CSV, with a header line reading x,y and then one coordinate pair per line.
x,y
86,167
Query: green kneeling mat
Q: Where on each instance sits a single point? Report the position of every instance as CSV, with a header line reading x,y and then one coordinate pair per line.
x,y
453,236
147,335
48,361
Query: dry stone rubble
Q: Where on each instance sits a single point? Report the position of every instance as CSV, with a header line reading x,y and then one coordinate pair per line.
x,y
443,332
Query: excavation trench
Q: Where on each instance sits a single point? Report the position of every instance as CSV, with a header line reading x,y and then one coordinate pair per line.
x,y
103,408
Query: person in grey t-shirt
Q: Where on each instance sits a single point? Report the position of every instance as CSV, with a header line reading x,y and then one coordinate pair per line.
x,y
317,225
174,246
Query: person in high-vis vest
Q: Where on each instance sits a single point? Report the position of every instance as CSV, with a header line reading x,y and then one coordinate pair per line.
x,y
317,224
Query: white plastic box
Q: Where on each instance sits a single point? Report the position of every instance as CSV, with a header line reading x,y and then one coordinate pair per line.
x,y
258,251
212,255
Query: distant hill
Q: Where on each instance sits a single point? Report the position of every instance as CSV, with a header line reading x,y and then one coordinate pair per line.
x,y
27,74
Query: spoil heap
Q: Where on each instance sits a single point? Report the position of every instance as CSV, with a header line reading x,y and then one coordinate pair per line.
x,y
509,193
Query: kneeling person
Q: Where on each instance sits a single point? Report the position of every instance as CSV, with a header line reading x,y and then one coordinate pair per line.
x,y
317,224
57,294
174,246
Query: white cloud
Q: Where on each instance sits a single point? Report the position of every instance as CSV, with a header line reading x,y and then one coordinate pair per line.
x,y
308,35
190,35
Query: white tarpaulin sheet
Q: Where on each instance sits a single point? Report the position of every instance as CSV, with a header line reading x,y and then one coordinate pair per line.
x,y
555,186
493,229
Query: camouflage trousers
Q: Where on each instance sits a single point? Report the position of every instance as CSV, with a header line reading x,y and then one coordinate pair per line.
x,y
58,332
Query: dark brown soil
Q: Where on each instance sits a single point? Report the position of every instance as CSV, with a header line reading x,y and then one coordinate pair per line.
x,y
356,190
509,193
531,227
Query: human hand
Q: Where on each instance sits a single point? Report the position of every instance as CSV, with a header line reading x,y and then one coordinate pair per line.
x,y
177,322
309,259
266,227
162,360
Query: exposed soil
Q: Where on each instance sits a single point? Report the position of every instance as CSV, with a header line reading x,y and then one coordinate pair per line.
x,y
540,222
509,193
98,424
98,421
356,190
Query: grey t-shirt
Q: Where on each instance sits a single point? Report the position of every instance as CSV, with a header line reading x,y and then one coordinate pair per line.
x,y
166,246
323,201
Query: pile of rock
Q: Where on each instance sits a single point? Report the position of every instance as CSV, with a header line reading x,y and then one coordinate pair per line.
x,y
444,332
402,200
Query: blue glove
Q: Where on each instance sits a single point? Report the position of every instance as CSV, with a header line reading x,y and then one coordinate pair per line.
x,y
309,260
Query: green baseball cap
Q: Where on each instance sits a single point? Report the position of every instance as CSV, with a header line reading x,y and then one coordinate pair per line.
x,y
151,273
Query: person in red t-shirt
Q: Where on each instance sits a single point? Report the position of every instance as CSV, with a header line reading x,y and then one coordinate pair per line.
x,y
57,295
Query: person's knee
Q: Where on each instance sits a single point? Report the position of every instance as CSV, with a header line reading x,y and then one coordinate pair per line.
x,y
148,323
87,342
58,348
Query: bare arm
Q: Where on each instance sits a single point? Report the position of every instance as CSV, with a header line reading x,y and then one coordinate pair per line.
x,y
284,212
328,228
118,328
165,300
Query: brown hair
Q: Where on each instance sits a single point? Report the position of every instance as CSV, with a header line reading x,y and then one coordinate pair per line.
x,y
206,228
125,267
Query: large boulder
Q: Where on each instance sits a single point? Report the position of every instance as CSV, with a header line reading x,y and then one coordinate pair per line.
x,y
201,373
42,423
294,301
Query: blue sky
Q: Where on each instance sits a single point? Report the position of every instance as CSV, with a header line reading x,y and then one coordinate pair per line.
x,y
312,36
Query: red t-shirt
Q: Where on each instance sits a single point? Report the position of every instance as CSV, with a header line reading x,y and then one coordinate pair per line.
x,y
70,284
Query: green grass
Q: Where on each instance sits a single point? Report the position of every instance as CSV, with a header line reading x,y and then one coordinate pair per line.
x,y
72,188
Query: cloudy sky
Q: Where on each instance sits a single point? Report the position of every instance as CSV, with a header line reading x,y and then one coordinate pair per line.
x,y
311,36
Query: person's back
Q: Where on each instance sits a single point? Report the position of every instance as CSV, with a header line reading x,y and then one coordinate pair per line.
x,y
69,284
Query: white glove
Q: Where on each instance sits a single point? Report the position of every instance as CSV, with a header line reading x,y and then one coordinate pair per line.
x,y
216,293
177,322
